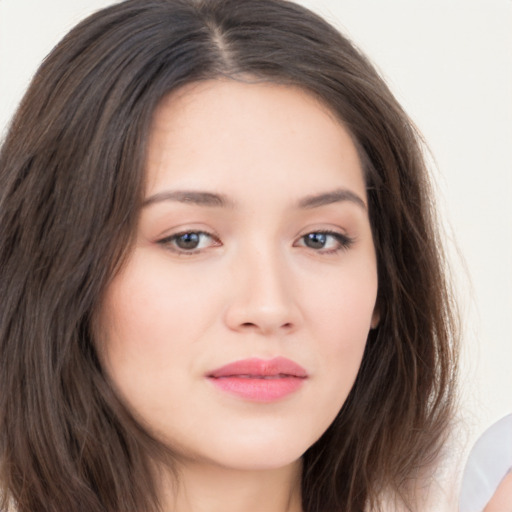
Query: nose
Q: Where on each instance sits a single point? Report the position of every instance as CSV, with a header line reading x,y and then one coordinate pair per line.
x,y
263,299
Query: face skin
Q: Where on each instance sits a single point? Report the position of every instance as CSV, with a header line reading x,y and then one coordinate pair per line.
x,y
254,286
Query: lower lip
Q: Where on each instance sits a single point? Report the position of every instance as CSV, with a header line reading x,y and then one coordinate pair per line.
x,y
258,389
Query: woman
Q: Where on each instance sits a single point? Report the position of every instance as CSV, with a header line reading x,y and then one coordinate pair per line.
x,y
222,283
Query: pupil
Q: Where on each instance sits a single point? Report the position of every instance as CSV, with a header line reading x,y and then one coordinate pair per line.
x,y
316,240
188,241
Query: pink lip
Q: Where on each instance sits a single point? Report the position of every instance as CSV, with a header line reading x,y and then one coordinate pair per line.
x,y
259,380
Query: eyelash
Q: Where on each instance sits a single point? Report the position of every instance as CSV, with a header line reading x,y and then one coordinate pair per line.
x,y
344,242
170,242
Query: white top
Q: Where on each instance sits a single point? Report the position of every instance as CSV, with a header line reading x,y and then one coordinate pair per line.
x,y
488,463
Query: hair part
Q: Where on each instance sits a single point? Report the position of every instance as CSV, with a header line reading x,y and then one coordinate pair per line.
x,y
72,173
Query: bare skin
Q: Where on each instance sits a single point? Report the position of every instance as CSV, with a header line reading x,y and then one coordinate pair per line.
x,y
502,498
205,489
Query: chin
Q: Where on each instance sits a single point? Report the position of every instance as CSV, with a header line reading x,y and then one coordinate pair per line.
x,y
250,454
257,462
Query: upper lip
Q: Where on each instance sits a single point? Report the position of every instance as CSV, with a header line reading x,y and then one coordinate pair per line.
x,y
260,368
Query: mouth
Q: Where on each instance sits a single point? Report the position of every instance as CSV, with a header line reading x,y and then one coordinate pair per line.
x,y
259,380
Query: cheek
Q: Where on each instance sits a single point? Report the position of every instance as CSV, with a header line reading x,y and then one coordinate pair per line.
x,y
149,324
342,305
146,306
341,316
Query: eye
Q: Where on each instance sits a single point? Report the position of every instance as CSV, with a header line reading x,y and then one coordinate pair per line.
x,y
189,242
325,241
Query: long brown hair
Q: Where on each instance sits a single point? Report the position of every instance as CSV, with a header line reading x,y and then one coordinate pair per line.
x,y
71,182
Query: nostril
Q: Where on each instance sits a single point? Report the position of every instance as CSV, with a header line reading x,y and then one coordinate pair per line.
x,y
251,325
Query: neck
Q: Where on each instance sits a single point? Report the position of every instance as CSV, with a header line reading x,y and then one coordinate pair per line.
x,y
202,487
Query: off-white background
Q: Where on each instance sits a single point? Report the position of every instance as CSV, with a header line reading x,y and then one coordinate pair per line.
x,y
450,64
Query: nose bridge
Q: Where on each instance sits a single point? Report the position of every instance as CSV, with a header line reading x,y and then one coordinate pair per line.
x,y
267,276
263,295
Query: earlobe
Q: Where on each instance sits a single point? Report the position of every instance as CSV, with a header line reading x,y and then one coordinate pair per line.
x,y
375,318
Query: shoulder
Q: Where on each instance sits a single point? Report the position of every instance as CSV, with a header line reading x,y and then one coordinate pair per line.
x,y
489,461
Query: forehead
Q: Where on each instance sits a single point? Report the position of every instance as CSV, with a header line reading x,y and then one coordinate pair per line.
x,y
226,132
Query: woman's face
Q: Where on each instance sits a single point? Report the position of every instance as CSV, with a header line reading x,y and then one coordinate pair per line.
x,y
237,326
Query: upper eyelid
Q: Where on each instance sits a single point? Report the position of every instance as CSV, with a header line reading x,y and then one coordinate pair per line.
x,y
181,232
341,237
190,231
212,234
326,231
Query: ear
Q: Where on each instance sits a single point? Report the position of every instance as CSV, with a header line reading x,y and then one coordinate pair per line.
x,y
375,317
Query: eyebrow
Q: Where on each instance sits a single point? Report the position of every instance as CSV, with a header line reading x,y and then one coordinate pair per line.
x,y
190,196
210,199
335,196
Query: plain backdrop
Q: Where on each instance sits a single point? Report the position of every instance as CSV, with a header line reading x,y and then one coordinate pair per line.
x,y
449,62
